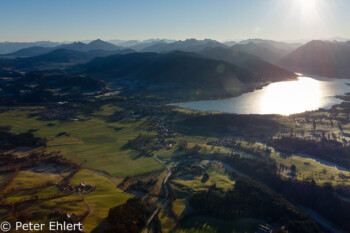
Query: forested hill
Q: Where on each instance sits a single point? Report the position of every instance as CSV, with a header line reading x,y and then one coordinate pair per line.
x,y
263,69
328,59
176,73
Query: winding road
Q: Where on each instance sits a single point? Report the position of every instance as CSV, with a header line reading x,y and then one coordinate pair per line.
x,y
315,216
150,219
91,211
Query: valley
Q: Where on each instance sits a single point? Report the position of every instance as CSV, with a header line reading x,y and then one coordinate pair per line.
x,y
96,139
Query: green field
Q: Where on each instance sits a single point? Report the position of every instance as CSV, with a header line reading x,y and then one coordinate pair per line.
x,y
94,143
189,183
105,196
101,148
307,167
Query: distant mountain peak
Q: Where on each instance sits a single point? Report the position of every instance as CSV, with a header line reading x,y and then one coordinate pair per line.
x,y
77,42
189,45
318,42
330,59
102,45
98,41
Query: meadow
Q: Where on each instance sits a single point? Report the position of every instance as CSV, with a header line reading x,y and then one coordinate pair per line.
x,y
94,142
107,162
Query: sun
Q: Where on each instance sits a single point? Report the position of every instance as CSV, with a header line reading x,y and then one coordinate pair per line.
x,y
307,5
308,9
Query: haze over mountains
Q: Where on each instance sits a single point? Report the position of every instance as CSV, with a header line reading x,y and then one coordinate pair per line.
x,y
93,45
59,58
271,51
263,69
190,45
323,58
76,46
10,47
208,68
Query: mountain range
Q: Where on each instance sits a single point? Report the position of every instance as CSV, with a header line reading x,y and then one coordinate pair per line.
x,y
139,45
190,45
93,45
197,68
270,51
10,47
181,74
329,59
58,58
76,46
261,68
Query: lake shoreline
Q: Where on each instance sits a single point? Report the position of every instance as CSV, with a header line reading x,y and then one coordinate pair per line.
x,y
283,98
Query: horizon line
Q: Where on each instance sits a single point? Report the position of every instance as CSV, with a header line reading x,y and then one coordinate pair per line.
x,y
334,38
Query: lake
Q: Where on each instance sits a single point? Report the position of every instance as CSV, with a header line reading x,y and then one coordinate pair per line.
x,y
285,98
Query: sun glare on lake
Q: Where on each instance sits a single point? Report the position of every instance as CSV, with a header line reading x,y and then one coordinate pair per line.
x,y
291,97
285,98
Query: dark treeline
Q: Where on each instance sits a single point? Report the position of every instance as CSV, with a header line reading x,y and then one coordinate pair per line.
x,y
250,200
36,87
142,143
223,124
7,182
10,140
321,199
10,162
130,217
343,190
184,168
143,186
329,150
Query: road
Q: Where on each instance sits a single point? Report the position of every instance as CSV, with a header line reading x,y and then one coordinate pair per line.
x,y
315,216
165,181
91,211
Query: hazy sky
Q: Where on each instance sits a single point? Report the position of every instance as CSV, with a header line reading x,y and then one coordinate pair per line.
x,y
71,20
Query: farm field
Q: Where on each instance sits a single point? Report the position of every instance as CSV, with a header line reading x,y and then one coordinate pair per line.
x,y
103,158
94,142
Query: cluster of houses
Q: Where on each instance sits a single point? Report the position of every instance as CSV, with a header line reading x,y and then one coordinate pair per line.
x,y
69,188
64,216
136,109
287,170
164,131
226,142
147,108
59,113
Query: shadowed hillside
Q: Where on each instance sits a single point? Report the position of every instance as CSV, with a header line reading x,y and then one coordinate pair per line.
x,y
58,58
263,69
176,73
270,51
95,45
321,58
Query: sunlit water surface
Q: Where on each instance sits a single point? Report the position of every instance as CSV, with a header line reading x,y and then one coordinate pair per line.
x,y
304,94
